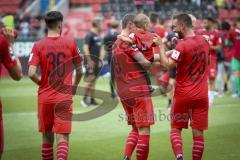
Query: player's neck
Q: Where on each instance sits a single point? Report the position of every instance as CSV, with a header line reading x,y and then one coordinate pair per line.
x,y
189,33
52,33
95,30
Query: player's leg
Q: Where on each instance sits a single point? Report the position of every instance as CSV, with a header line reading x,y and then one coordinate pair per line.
x,y
92,93
176,142
47,146
62,146
199,123
171,83
142,149
131,143
198,144
211,91
1,131
62,127
236,74
220,78
45,124
212,77
179,119
144,118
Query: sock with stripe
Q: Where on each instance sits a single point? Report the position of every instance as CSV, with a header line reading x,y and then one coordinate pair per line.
x,y
198,147
62,151
176,141
142,147
47,152
131,143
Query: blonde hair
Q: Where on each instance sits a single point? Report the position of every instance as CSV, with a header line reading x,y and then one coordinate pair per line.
x,y
140,20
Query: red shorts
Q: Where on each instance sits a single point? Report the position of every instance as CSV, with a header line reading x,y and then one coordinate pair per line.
x,y
212,70
55,117
195,111
139,111
164,79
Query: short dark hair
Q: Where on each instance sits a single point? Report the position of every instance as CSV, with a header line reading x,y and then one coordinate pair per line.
x,y
225,26
96,22
154,17
184,19
238,19
126,19
52,19
210,19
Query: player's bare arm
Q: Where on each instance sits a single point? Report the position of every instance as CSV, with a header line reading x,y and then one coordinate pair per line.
x,y
88,56
164,60
78,75
139,57
33,75
102,53
16,71
125,39
216,48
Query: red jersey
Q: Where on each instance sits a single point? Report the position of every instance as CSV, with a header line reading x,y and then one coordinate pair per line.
x,y
143,40
214,40
129,76
235,39
191,58
159,31
226,45
55,56
7,56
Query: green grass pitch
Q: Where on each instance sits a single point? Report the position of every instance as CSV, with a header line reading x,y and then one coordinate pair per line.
x,y
103,138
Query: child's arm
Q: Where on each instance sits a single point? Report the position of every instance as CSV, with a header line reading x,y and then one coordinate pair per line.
x,y
125,39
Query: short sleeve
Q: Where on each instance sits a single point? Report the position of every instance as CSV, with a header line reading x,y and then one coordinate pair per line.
x,y
77,58
7,56
34,58
88,38
177,53
133,38
133,51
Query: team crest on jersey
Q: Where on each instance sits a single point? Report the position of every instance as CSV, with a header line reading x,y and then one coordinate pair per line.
x,y
175,54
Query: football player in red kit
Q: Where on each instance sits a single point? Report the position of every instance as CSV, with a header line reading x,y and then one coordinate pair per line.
x,y
53,54
129,65
215,45
190,101
13,65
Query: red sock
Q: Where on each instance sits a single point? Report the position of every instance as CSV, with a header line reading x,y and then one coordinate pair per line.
x,y
198,147
131,143
62,151
143,147
47,152
176,140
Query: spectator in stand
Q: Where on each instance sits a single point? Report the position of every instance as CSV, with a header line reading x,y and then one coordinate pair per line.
x,y
197,2
25,25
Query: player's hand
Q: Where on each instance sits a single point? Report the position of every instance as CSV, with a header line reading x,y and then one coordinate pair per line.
x,y
157,40
9,34
90,65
